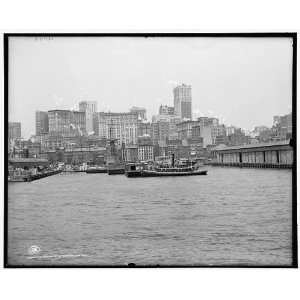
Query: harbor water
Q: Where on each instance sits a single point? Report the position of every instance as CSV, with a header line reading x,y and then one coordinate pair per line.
x,y
232,216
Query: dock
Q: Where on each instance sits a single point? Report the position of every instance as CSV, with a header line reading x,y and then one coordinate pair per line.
x,y
275,155
29,169
42,175
252,165
32,177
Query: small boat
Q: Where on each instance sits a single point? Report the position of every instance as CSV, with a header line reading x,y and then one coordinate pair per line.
x,y
96,169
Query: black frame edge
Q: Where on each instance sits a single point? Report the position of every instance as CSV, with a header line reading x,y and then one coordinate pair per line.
x,y
292,35
294,135
158,34
5,243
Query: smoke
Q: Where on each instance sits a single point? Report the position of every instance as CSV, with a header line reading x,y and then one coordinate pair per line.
x,y
159,100
197,113
210,113
74,107
79,130
222,119
173,83
58,101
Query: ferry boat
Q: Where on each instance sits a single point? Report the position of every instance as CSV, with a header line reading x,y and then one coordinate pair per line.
x,y
188,168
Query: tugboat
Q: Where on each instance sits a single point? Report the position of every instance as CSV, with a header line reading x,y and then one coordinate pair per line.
x,y
134,170
114,165
115,168
186,169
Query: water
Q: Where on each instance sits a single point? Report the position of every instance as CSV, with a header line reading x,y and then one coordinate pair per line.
x,y
231,216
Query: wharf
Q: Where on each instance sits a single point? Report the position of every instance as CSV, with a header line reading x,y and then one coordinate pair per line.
x,y
42,175
28,178
252,165
274,155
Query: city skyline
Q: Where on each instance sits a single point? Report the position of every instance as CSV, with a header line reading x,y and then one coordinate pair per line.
x,y
250,96
147,119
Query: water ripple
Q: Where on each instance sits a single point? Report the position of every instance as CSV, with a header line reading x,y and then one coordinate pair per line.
x,y
231,216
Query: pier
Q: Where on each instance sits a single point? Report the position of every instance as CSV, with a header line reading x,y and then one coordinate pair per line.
x,y
264,155
42,175
29,169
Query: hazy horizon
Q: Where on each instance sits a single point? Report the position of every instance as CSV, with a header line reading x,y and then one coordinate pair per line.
x,y
242,81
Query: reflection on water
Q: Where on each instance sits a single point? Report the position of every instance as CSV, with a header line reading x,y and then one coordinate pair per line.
x,y
231,216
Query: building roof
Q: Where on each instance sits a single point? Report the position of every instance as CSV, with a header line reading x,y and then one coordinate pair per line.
x,y
183,85
131,147
21,162
134,113
187,121
66,110
250,146
85,149
63,110
34,160
135,108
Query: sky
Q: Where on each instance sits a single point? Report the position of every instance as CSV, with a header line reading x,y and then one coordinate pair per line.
x,y
242,81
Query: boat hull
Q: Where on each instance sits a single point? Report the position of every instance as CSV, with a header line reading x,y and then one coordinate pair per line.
x,y
96,171
149,173
133,173
115,171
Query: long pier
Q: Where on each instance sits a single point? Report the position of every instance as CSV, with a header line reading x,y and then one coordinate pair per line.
x,y
277,155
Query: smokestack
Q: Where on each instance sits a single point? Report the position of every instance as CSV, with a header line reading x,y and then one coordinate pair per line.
x,y
173,159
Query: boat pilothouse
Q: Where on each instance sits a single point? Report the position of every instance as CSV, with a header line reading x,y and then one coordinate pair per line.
x,y
183,167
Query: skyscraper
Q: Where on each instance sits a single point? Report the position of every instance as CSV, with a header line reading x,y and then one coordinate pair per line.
x,y
283,125
164,127
41,122
166,110
183,101
89,107
66,122
14,130
120,126
140,111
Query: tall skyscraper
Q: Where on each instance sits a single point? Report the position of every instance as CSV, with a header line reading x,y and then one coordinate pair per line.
x,y
183,101
41,122
14,130
89,107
